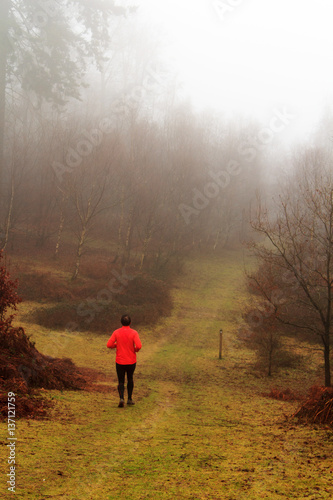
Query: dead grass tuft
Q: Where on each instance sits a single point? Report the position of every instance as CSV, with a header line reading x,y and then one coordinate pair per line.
x,y
318,409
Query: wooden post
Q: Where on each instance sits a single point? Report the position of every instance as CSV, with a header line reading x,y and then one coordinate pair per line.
x,y
221,333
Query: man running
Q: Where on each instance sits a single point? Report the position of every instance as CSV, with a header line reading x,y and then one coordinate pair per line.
x,y
127,343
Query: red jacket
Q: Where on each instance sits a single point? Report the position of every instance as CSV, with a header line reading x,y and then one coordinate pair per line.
x,y
127,343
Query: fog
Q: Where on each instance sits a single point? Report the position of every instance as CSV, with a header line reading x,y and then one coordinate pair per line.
x,y
246,57
151,126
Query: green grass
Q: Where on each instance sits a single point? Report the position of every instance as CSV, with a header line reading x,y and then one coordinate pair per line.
x,y
201,428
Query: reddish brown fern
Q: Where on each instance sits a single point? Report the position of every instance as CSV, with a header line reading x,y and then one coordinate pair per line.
x,y
318,409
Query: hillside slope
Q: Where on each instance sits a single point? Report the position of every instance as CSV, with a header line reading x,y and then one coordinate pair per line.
x,y
201,428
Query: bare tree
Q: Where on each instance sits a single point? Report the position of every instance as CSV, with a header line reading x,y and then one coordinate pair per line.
x,y
297,251
86,191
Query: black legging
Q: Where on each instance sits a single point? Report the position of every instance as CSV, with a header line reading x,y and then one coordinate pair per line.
x,y
129,370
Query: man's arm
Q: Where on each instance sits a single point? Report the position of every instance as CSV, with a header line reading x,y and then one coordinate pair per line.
x,y
137,342
112,342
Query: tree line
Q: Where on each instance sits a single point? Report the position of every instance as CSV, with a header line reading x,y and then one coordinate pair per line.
x,y
155,189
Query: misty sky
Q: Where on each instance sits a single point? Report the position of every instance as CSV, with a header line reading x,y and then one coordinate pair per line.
x,y
252,57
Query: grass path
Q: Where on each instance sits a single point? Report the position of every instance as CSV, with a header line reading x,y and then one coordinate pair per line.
x,y
200,429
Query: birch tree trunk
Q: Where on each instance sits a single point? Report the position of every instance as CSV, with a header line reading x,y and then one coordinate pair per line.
x,y
80,246
145,246
127,249
84,219
61,225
